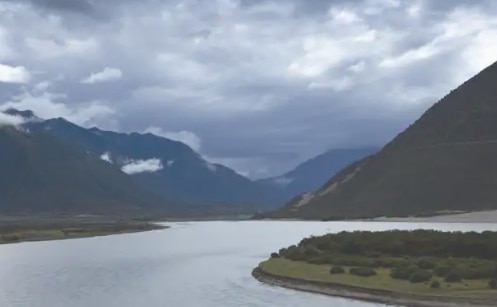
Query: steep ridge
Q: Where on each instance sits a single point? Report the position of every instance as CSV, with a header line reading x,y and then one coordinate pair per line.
x,y
42,174
445,161
181,175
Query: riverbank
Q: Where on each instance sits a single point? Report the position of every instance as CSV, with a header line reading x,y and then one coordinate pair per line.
x,y
469,217
367,295
16,229
425,268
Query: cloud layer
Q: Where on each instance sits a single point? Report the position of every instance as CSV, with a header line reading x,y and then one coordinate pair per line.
x,y
258,85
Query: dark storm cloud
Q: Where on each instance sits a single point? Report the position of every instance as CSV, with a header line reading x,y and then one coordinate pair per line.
x,y
259,85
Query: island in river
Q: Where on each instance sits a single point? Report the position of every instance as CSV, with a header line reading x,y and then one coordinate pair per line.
x,y
20,228
409,268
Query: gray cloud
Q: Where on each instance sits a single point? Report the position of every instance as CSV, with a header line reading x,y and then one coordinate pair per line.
x,y
259,84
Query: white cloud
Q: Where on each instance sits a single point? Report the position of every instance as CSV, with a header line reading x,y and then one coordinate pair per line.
x,y
106,157
14,74
320,54
10,120
186,137
106,75
51,105
211,167
142,166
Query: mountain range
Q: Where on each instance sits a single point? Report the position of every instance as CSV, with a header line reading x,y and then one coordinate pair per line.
x,y
444,162
157,174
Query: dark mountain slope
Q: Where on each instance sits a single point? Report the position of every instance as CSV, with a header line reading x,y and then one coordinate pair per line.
x,y
446,160
42,174
185,177
313,173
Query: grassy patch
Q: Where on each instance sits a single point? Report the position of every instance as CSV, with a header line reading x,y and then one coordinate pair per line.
x,y
381,281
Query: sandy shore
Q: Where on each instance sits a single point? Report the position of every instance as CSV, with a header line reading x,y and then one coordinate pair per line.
x,y
472,217
367,295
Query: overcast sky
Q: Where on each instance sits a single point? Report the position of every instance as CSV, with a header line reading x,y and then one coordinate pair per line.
x,y
258,85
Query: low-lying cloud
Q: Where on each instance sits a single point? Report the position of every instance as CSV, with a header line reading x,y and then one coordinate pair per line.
x,y
106,157
186,137
10,120
142,166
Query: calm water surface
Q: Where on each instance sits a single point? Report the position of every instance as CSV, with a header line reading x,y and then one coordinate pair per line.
x,y
190,264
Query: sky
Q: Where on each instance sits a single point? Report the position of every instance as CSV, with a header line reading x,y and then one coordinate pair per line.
x,y
257,85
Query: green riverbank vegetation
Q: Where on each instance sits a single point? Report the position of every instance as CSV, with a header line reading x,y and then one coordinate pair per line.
x,y
415,262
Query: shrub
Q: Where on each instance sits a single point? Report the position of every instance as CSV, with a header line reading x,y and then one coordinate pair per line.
x,y
292,253
363,272
374,255
453,277
322,259
275,255
403,273
352,260
400,273
337,270
420,276
426,263
476,271
492,284
441,271
435,284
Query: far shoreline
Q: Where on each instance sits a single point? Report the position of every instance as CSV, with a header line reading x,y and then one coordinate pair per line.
x,y
18,229
363,294
475,217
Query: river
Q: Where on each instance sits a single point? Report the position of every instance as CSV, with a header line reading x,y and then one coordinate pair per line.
x,y
204,264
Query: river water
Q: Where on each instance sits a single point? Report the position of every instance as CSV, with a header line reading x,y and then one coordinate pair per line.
x,y
204,264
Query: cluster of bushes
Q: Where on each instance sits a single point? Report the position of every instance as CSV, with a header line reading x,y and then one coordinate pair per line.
x,y
412,273
337,270
419,243
363,272
414,256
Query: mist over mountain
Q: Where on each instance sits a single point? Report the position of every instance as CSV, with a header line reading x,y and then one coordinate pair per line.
x,y
313,173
